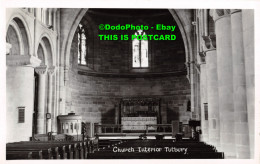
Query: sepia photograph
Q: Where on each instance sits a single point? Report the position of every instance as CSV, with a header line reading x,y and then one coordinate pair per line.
x,y
130,83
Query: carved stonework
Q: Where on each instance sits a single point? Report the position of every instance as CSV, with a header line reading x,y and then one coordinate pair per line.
x,y
22,60
209,42
41,69
51,70
219,13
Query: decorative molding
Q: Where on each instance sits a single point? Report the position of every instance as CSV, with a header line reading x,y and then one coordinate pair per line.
x,y
41,70
22,60
134,75
209,42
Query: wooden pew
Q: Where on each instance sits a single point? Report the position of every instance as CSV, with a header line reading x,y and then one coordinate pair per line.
x,y
14,155
46,153
195,150
57,150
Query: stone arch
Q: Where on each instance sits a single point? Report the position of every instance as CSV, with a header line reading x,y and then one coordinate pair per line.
x,y
183,19
49,51
180,17
14,37
183,22
41,53
70,18
91,33
89,24
67,41
47,46
22,29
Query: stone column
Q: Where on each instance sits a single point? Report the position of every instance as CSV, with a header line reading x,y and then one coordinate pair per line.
x,y
54,19
248,44
49,107
203,98
225,81
41,71
62,88
55,104
212,89
50,17
20,93
239,86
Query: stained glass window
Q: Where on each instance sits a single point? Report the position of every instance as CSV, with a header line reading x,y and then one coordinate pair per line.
x,y
82,46
140,51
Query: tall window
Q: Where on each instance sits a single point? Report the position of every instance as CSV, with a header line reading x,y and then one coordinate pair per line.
x,y
82,46
140,51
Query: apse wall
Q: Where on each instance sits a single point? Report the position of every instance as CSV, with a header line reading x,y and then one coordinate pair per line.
x,y
96,97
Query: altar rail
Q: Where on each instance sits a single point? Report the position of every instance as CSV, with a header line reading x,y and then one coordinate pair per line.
x,y
107,128
162,128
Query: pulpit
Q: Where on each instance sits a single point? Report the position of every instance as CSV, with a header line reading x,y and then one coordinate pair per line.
x,y
70,124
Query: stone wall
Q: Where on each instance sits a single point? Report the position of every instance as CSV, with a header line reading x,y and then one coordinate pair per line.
x,y
19,93
96,98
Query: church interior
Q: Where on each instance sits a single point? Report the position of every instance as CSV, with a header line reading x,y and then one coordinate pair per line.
x,y
71,94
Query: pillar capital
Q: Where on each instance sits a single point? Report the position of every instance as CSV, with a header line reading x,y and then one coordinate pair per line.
x,y
41,70
216,14
51,70
209,42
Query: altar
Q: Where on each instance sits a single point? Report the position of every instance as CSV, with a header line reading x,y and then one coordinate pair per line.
x,y
138,123
136,113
